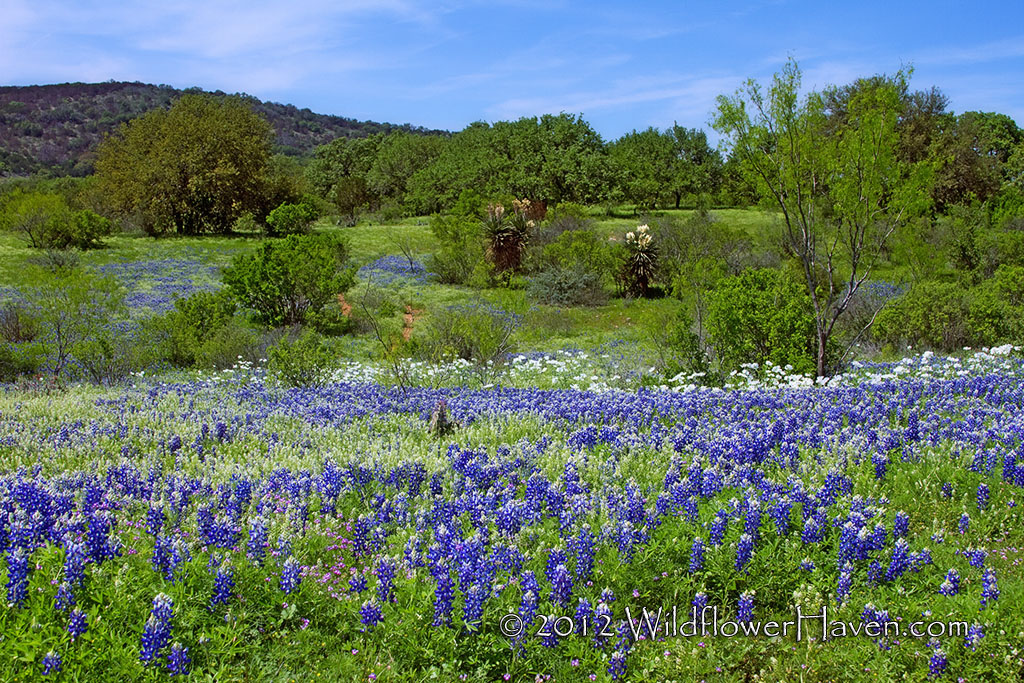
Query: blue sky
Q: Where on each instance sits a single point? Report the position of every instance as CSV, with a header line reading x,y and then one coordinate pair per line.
x,y
446,64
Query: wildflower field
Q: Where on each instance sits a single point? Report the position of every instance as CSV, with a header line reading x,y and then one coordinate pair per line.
x,y
220,527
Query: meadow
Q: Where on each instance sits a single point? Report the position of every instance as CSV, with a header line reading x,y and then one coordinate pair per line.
x,y
217,525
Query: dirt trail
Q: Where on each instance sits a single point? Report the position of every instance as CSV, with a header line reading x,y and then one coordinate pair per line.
x,y
346,307
410,316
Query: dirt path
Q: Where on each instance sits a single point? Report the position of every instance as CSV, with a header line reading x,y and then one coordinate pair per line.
x,y
410,316
346,307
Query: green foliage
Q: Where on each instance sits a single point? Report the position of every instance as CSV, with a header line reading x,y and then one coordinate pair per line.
x,y
74,312
291,219
45,221
305,361
678,347
192,325
761,315
191,169
462,248
478,332
284,281
947,316
835,177
580,250
561,286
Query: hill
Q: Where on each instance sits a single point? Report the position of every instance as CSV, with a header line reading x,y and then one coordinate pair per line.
x,y
56,128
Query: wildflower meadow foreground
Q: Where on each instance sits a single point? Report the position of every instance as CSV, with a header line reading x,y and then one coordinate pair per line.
x,y
224,528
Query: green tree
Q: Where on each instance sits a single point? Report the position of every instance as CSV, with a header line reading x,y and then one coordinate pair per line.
x,y
697,168
36,216
191,169
292,280
841,189
762,315
645,164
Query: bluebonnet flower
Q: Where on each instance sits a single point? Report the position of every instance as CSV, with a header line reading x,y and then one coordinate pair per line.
x,y
880,463
74,563
583,550
845,582
780,514
370,614
745,610
700,601
157,632
385,580
65,598
983,496
900,525
444,595
178,660
473,608
291,575
223,584
584,616
807,565
989,587
718,528
607,596
174,444
973,636
976,557
900,561
938,663
78,624
743,552
17,577
51,663
602,617
947,489
874,573
697,555
617,665
561,586
256,548
357,583
951,585
965,523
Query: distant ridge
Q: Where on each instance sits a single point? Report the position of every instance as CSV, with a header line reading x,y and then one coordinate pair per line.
x,y
56,128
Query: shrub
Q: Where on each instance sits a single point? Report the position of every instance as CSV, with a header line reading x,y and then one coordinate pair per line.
x,y
306,361
762,315
192,324
567,287
930,314
477,332
678,347
580,250
83,231
291,219
17,360
231,343
461,248
286,280
73,308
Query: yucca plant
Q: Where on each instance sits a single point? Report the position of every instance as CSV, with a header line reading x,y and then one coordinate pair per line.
x,y
641,260
507,235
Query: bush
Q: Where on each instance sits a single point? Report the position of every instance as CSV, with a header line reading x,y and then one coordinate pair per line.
x,y
16,361
289,280
679,349
477,332
580,250
762,315
84,230
461,248
930,314
192,324
291,219
306,361
567,287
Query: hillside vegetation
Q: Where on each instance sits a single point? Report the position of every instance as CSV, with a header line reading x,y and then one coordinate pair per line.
x,y
56,128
